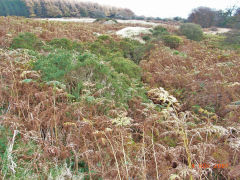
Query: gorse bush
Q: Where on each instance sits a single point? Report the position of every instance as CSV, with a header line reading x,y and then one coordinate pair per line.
x,y
122,65
113,81
54,66
75,70
27,41
146,38
61,43
66,44
192,31
127,48
172,41
159,31
134,50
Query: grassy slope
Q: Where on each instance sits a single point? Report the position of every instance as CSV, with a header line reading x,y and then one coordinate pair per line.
x,y
83,109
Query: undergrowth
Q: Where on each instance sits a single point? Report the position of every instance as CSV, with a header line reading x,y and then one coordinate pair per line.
x,y
100,109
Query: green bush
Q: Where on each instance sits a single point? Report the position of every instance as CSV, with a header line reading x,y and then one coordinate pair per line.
x,y
192,31
104,37
127,48
65,44
146,38
27,41
54,66
159,31
122,65
172,41
73,70
133,49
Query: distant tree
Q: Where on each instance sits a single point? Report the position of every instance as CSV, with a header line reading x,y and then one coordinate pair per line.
x,y
37,9
222,19
53,11
236,17
179,19
95,13
158,18
237,12
203,16
126,13
140,17
83,12
13,8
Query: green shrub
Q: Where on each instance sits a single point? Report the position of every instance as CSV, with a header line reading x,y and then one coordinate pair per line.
x,y
65,44
74,70
172,41
133,49
146,38
98,48
54,66
103,46
159,31
27,41
127,48
192,31
119,85
104,37
122,65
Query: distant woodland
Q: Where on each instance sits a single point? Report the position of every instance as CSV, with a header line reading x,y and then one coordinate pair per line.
x,y
61,8
208,17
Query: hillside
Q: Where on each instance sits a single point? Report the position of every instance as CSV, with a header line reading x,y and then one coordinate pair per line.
x,y
63,8
79,101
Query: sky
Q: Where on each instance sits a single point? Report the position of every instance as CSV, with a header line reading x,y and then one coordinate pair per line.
x,y
166,8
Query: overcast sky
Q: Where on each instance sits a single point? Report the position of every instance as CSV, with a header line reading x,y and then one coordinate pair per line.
x,y
166,8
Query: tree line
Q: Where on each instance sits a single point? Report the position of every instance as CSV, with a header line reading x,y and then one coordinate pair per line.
x,y
61,8
207,17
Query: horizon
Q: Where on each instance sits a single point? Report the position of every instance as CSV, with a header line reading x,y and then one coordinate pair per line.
x,y
152,8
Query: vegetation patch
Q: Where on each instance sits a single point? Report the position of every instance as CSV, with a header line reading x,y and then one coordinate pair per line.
x,y
27,41
172,41
65,44
191,31
122,65
103,107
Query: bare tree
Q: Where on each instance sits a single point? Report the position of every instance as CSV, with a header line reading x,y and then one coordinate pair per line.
x,y
203,16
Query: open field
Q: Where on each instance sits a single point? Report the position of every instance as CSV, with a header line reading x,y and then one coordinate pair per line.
x,y
77,101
